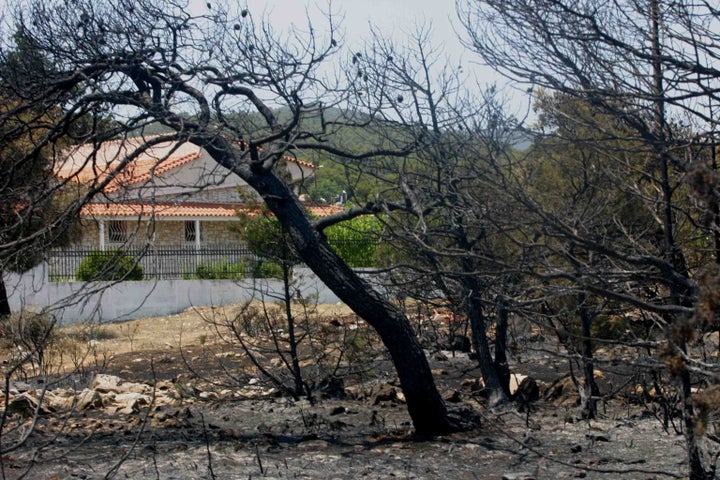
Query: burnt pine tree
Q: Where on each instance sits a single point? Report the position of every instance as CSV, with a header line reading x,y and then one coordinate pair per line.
x,y
444,204
650,66
157,61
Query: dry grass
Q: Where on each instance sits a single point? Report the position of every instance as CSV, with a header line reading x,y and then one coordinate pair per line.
x,y
190,328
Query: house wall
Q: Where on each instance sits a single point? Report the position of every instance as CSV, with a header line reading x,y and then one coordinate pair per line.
x,y
73,302
186,181
214,195
90,233
221,233
165,232
169,233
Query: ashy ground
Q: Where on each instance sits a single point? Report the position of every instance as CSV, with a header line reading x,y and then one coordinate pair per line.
x,y
178,402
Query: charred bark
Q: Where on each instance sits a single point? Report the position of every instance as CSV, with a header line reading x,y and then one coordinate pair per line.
x,y
425,405
502,366
493,385
590,391
4,301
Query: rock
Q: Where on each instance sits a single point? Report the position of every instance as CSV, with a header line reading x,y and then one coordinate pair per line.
x,y
312,445
89,400
132,387
337,410
160,417
129,403
515,381
562,390
25,405
332,387
453,397
208,396
597,437
527,392
441,357
518,476
535,338
711,342
60,399
164,385
355,392
382,392
473,384
183,390
17,386
104,383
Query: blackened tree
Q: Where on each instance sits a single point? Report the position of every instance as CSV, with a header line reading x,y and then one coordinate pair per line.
x,y
650,66
156,61
445,205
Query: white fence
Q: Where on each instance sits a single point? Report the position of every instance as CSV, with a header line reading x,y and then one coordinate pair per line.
x,y
73,302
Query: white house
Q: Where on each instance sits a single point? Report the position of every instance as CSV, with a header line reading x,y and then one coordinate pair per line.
x,y
172,194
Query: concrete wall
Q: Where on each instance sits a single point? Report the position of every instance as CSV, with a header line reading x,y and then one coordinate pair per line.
x,y
74,302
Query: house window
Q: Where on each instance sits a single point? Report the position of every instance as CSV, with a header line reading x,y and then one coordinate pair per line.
x,y
117,231
191,231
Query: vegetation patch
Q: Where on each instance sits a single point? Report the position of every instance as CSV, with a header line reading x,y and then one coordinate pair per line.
x,y
109,265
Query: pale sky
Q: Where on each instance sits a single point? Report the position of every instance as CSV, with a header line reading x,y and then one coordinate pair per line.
x,y
395,18
391,16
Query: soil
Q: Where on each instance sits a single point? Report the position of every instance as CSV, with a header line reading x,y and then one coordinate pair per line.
x,y
356,432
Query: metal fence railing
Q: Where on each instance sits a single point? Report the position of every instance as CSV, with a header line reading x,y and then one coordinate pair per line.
x,y
189,262
165,262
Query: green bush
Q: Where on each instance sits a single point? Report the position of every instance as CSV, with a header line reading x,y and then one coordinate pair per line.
x,y
109,265
221,270
264,269
357,253
356,241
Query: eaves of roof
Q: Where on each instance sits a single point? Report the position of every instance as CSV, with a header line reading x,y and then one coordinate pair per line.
x,y
218,211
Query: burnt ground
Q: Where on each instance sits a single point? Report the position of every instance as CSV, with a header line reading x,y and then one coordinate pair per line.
x,y
362,431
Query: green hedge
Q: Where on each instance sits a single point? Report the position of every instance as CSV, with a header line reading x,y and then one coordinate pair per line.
x,y
221,270
265,269
356,241
225,270
109,265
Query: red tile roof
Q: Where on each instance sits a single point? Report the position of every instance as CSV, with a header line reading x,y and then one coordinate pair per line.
x,y
185,210
85,162
143,170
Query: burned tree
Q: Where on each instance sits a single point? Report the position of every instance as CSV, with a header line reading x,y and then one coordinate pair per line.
x,y
649,67
156,62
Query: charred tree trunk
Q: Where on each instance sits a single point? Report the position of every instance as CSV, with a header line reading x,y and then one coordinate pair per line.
x,y
4,301
426,408
501,362
476,315
424,403
681,293
300,386
588,397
